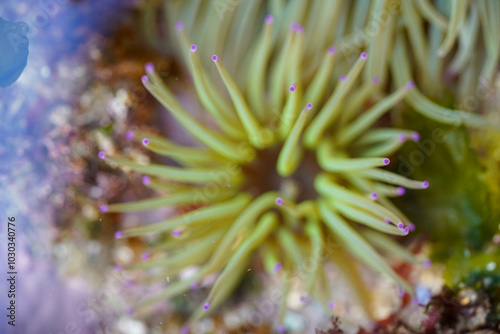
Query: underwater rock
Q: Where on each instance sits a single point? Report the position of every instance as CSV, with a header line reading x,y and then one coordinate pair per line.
x,y
13,51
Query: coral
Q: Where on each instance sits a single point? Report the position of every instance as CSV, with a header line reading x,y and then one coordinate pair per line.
x,y
280,170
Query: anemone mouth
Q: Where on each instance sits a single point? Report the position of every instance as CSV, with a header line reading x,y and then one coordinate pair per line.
x,y
261,176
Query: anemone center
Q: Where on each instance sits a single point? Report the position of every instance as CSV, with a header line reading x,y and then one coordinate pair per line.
x,y
261,176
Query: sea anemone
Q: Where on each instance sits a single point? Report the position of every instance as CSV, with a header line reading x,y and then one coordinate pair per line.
x,y
289,166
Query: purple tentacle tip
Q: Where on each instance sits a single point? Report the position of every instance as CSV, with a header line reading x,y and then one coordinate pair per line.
x,y
206,306
415,136
146,179
129,310
342,78
373,195
331,305
400,191
194,286
410,85
406,230
149,67
401,226
425,184
279,201
184,330
281,329
269,19
118,268
292,87
193,48
303,299
387,220
376,80
103,208
179,25
214,57
411,226
364,55
176,233
427,263
278,266
145,141
402,137
309,106
129,135
145,256
387,161
101,155
118,235
331,50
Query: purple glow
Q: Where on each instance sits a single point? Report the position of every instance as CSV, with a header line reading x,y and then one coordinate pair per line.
x,y
411,226
103,208
145,256
279,201
425,184
364,55
193,48
331,305
129,310
184,330
376,80
406,230
194,286
342,78
101,155
179,25
149,67
206,306
278,266
415,136
281,329
214,57
144,79
118,235
309,106
387,161
292,87
118,268
145,141
373,195
410,85
176,233
129,135
331,50
400,191
427,263
146,179
269,19
402,137
401,226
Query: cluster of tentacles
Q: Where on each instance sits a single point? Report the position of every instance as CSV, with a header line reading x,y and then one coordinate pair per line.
x,y
289,167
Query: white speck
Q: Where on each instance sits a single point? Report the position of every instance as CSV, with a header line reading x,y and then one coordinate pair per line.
x,y
466,252
249,269
45,72
491,266
168,279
